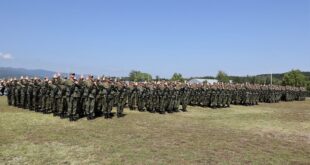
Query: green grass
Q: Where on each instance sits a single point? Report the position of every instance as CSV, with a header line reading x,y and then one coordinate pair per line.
x,y
264,134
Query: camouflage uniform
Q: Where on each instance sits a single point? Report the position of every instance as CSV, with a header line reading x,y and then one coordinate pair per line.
x,y
90,93
43,95
52,97
30,96
141,98
163,94
36,96
132,99
103,96
110,99
23,94
122,98
9,93
184,93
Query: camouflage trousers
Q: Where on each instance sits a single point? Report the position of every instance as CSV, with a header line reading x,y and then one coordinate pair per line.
x,y
102,105
9,96
90,106
214,100
29,101
44,103
150,104
17,99
23,100
184,102
62,105
132,102
51,104
110,104
120,106
141,104
171,104
36,102
162,105
72,103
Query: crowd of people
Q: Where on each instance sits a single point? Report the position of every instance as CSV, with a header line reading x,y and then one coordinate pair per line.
x,y
74,98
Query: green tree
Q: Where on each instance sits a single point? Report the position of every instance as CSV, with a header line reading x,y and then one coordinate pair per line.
x,y
260,80
308,85
237,79
294,78
139,76
177,77
222,77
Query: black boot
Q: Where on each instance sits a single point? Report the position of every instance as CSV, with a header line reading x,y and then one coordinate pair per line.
x,y
75,118
90,117
62,116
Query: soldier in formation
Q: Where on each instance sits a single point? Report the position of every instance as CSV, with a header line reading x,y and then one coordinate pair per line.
x,y
72,98
2,87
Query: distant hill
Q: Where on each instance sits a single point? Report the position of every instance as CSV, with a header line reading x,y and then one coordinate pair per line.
x,y
8,72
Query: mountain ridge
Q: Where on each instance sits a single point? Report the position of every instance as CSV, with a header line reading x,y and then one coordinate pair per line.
x,y
10,72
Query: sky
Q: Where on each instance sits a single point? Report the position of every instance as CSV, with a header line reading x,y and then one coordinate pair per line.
x,y
161,37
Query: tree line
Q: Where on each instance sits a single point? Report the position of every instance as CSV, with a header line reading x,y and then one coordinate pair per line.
x,y
292,78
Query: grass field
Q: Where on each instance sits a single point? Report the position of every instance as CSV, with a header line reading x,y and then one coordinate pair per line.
x,y
264,134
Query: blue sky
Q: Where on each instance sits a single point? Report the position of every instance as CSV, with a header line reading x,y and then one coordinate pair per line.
x,y
193,37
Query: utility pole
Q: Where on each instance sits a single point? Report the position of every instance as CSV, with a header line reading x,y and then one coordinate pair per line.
x,y
271,78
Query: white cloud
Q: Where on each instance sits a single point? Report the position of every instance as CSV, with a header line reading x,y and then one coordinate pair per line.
x,y
6,56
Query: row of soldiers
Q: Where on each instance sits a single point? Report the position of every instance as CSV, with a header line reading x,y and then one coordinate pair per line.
x,y
222,95
74,98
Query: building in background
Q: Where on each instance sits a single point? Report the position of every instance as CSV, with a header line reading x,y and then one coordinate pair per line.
x,y
201,81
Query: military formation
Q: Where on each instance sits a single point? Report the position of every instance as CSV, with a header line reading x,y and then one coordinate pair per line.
x,y
222,95
74,98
